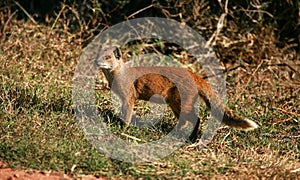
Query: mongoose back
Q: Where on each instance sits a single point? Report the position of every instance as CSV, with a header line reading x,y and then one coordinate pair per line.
x,y
158,83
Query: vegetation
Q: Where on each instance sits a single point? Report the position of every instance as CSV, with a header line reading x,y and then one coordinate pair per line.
x,y
40,48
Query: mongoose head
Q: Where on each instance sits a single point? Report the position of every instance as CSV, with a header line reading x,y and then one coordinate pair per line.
x,y
109,59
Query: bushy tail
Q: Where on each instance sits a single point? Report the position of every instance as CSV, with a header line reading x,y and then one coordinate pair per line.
x,y
217,108
235,121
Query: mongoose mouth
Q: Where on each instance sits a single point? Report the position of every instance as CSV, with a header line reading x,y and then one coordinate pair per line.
x,y
100,64
103,66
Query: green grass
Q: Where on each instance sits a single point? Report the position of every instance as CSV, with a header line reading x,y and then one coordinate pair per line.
x,y
39,131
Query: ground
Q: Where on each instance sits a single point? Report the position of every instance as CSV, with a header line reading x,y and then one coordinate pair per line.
x,y
10,174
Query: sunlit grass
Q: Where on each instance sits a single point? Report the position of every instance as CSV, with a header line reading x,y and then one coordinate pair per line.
x,y
38,129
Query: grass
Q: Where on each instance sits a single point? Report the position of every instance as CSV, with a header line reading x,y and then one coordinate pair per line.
x,y
39,131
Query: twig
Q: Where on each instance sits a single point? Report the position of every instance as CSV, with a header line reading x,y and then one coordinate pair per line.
x,y
139,11
250,79
217,32
287,112
27,14
132,137
295,170
226,7
219,26
57,17
295,69
223,72
6,24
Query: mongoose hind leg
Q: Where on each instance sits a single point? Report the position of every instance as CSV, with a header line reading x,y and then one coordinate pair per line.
x,y
184,113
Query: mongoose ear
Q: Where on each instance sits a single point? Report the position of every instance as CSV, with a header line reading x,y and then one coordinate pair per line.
x,y
117,53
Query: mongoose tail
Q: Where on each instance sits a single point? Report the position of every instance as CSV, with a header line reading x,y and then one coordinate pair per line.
x,y
235,121
220,110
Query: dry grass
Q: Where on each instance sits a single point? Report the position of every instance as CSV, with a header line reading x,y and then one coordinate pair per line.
x,y
38,131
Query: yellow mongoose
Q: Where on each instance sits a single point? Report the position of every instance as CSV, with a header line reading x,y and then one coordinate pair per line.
x,y
143,83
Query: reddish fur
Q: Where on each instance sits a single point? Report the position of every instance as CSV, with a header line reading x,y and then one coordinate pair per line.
x,y
132,83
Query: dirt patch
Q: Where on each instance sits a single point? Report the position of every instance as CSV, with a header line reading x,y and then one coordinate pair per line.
x,y
10,174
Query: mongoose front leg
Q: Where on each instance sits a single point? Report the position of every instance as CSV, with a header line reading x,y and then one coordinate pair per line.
x,y
127,107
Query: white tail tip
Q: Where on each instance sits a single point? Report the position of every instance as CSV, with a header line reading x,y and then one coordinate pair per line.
x,y
252,125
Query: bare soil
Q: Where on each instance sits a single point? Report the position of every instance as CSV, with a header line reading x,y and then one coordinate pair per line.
x,y
7,173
